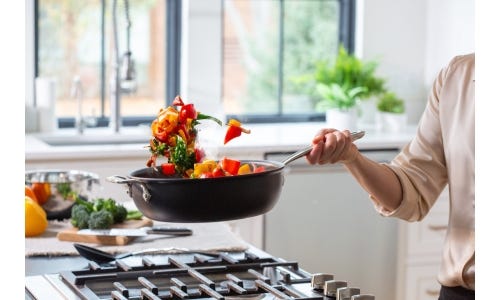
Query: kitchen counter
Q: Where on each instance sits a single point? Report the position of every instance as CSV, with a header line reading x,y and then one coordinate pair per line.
x,y
119,154
264,138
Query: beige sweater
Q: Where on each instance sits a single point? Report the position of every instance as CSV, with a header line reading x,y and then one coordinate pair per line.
x,y
443,152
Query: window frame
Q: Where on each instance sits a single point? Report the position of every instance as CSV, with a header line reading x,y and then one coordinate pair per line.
x,y
172,68
347,29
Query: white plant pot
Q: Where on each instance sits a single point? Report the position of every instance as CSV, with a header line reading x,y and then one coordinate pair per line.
x,y
342,120
390,122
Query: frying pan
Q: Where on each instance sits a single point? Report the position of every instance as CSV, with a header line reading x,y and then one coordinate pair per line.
x,y
172,199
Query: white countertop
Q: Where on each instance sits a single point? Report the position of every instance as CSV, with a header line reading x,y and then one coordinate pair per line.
x,y
264,138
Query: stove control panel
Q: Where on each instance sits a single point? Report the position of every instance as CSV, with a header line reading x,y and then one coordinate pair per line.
x,y
337,289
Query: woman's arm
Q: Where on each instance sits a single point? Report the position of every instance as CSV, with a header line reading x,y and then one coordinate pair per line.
x,y
331,146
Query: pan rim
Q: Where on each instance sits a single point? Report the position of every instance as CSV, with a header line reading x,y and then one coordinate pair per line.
x,y
277,167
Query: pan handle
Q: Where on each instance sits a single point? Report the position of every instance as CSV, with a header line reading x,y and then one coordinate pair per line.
x,y
119,179
354,136
146,195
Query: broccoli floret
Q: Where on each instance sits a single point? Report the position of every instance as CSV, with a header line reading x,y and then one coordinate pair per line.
x,y
101,219
99,204
120,214
80,216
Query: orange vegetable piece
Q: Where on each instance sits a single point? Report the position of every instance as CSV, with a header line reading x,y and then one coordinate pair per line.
x,y
42,191
35,218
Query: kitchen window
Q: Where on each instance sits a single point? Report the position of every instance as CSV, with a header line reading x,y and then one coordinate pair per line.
x,y
266,45
75,39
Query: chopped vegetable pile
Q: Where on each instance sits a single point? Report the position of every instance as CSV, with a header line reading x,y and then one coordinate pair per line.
x,y
174,137
100,213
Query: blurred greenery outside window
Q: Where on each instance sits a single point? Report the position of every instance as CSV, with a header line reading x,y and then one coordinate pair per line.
x,y
75,38
268,47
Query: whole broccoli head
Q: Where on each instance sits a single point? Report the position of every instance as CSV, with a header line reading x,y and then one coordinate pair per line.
x,y
101,219
120,214
80,216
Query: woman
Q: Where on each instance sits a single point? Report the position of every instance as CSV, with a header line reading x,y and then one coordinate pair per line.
x,y
442,153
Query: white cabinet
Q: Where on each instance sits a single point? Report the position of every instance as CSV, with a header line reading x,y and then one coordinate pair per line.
x,y
420,246
325,221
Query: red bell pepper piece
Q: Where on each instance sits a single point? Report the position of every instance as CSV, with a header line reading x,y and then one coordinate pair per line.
x,y
199,154
218,172
168,168
234,130
187,111
229,165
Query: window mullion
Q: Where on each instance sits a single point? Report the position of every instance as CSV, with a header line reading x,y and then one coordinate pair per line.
x,y
281,49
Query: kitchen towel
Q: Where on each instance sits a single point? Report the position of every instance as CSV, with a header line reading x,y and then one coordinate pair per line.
x,y
216,236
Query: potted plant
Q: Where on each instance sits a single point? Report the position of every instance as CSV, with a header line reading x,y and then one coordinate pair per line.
x,y
343,83
391,114
339,103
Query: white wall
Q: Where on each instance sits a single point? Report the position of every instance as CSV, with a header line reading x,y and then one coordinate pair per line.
x,y
412,40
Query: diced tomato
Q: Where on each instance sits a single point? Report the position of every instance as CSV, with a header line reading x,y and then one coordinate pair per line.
x,y
230,165
168,168
259,169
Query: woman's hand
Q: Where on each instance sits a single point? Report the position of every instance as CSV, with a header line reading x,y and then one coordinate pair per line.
x,y
331,146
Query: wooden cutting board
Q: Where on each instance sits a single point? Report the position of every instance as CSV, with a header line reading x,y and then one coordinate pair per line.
x,y
71,235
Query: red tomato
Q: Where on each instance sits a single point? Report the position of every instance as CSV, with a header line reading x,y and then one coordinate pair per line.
x,y
168,168
230,165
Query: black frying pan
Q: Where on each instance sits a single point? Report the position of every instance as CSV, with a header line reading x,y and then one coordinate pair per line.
x,y
183,200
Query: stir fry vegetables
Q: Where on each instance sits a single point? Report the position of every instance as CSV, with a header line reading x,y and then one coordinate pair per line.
x,y
174,137
225,167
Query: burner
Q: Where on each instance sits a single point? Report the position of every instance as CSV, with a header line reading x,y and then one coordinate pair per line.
x,y
231,276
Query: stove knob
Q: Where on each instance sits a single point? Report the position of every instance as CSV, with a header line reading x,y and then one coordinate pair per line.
x,y
346,293
363,297
318,280
330,288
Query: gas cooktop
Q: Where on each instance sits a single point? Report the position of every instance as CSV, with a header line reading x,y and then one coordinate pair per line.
x,y
249,275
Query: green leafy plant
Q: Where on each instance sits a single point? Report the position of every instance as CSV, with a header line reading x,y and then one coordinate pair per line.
x,y
389,102
349,74
337,96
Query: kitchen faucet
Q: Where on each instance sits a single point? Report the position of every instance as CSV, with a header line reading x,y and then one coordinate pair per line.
x,y
123,76
77,93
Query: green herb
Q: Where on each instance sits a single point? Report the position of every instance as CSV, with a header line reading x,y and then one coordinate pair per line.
x,y
180,157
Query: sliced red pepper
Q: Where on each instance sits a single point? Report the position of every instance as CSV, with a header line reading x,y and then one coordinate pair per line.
x,y
168,168
199,154
218,172
230,165
206,175
187,111
234,130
